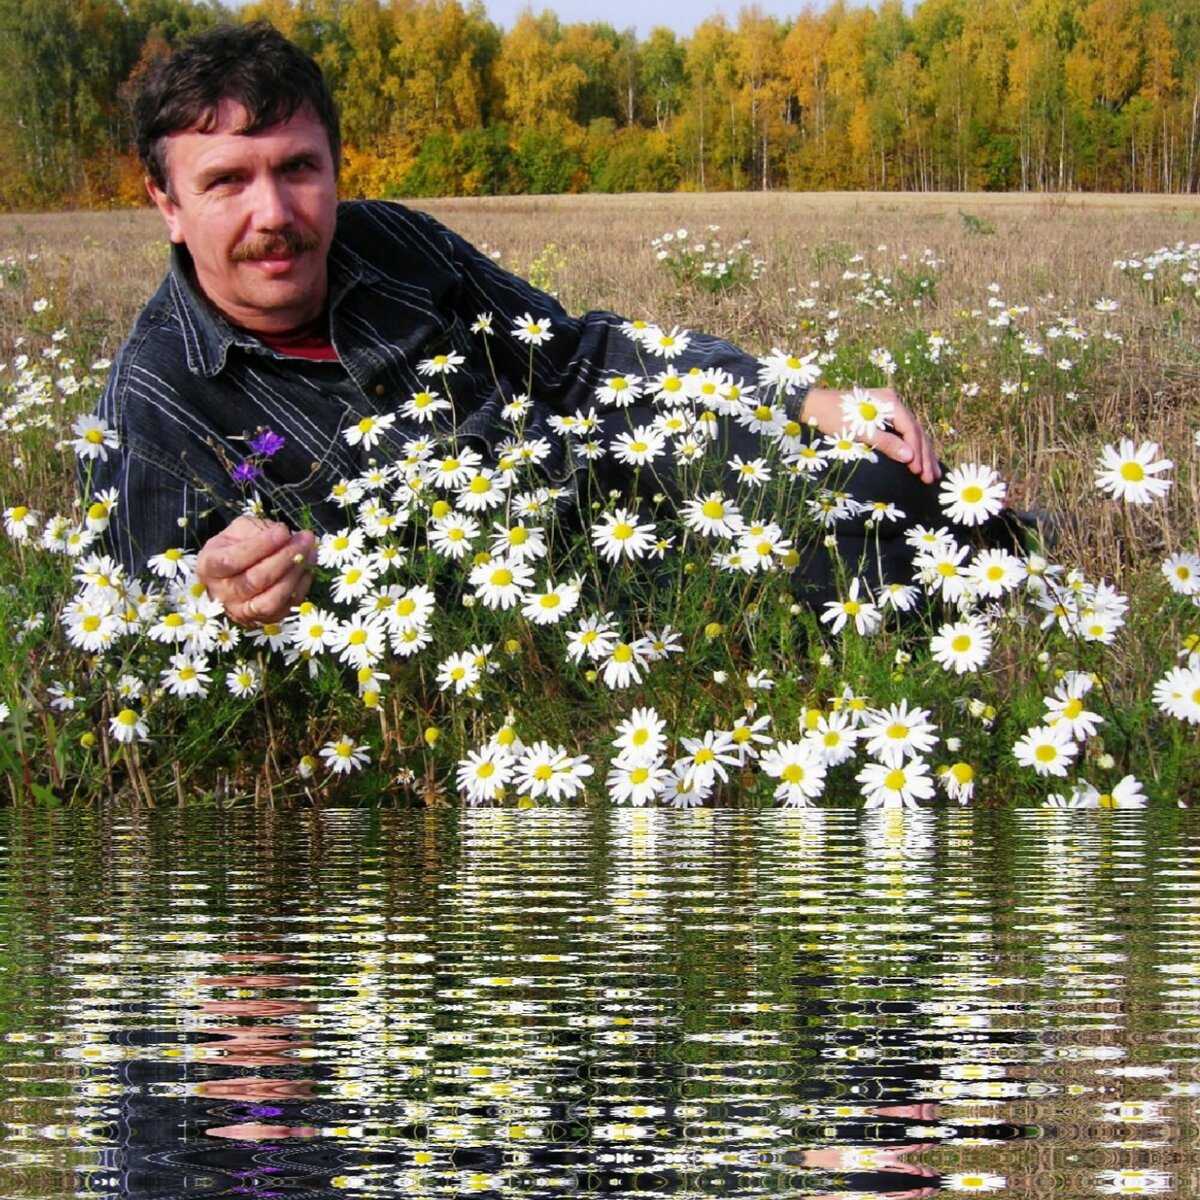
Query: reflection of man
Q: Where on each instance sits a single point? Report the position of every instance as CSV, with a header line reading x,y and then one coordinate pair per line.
x,y
259,1047
285,311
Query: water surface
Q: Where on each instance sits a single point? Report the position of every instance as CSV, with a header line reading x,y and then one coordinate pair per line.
x,y
558,1003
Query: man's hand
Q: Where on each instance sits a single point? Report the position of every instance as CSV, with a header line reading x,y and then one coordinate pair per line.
x,y
908,444
251,567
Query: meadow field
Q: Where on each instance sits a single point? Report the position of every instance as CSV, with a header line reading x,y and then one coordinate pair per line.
x,y
1031,332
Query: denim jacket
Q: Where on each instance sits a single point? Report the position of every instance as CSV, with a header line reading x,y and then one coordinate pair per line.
x,y
188,389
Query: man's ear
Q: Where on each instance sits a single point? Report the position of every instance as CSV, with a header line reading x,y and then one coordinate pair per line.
x,y
168,208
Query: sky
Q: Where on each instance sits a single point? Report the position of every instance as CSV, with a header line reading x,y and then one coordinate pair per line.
x,y
642,15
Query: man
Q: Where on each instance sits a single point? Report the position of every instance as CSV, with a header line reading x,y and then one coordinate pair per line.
x,y
285,311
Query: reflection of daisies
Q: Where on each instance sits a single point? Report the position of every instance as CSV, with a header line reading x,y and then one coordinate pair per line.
x,y
974,1181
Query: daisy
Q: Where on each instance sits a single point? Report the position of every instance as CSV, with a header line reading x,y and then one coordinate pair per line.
x,y
623,667
788,372
342,755
1066,706
902,597
641,736
423,406
1130,473
833,735
635,781
360,640
481,491
459,672
532,333
619,391
767,420
962,646
1177,693
501,583
708,756
453,470
754,473
748,734
1182,571
19,522
243,680
657,646
484,774
368,431
550,606
682,790
452,535
993,573
545,770
128,726
666,345
187,675
338,549
972,493
800,769
864,614
1048,749
594,638
898,786
712,515
518,542
643,445
93,438
440,364
174,563
409,608
1127,793
356,578
618,535
91,628
313,630
941,570
866,413
959,781
844,447
895,733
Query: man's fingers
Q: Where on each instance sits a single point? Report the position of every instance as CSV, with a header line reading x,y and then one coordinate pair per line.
x,y
236,549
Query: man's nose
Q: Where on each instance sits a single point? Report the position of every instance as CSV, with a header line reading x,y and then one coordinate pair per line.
x,y
272,203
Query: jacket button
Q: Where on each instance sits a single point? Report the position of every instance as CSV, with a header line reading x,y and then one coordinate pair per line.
x,y
380,389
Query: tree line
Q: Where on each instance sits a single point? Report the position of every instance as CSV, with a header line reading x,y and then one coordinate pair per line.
x,y
436,99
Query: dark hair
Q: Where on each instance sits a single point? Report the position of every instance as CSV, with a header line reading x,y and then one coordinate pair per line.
x,y
254,65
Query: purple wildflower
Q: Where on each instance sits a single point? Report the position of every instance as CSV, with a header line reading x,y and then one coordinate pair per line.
x,y
246,472
267,442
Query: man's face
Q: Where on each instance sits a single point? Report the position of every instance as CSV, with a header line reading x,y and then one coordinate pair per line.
x,y
257,213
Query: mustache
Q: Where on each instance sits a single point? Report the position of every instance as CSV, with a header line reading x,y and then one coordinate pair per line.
x,y
270,245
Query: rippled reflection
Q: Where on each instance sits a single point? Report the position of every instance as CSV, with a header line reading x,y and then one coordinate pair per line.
x,y
553,1003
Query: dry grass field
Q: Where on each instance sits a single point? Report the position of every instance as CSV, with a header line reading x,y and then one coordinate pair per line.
x,y
1029,331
